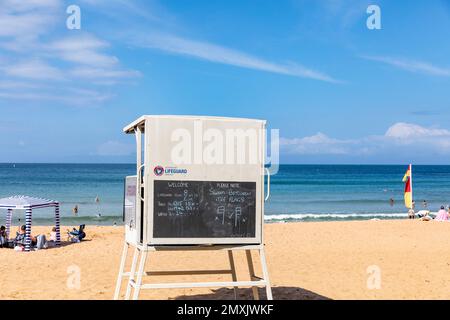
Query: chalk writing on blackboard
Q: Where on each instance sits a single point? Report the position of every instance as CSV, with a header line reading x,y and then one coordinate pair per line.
x,y
204,209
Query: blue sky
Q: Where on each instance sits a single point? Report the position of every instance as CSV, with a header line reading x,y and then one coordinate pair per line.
x,y
338,92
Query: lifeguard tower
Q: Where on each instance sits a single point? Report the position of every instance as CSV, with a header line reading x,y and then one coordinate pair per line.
x,y
199,185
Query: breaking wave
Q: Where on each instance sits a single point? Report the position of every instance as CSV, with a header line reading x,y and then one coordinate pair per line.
x,y
332,216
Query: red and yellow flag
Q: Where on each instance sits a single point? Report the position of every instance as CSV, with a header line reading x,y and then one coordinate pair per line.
x,y
408,188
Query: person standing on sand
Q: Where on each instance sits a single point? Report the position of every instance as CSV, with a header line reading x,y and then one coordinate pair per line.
x,y
442,215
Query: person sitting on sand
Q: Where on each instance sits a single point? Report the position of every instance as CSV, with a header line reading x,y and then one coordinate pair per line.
x,y
3,237
77,235
52,235
51,242
38,241
424,215
19,240
442,215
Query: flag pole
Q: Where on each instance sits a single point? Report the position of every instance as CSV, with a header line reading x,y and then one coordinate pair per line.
x,y
411,184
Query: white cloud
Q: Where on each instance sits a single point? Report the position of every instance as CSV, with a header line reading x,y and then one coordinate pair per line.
x,y
102,74
73,97
412,135
79,42
132,8
29,18
39,64
21,5
220,54
25,24
90,63
409,132
412,65
8,85
400,138
34,69
316,144
83,50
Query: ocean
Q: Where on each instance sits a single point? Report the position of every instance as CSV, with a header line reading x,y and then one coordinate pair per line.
x,y
298,192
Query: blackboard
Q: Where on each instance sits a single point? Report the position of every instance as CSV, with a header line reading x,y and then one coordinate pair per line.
x,y
204,209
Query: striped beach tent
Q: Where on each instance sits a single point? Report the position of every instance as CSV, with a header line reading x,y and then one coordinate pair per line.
x,y
28,204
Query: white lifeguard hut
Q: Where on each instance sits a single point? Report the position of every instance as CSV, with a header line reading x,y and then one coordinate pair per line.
x,y
199,185
29,204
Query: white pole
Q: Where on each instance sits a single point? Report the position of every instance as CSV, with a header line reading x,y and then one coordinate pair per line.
x,y
122,268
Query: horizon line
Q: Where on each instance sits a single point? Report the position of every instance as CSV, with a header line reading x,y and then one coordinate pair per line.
x,y
281,164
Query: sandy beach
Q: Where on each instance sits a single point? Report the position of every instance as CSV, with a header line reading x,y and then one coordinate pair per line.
x,y
317,260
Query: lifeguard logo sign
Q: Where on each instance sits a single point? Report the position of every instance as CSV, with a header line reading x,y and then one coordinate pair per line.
x,y
158,170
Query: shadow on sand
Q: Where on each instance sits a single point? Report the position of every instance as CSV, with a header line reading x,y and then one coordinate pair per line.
x,y
62,245
279,293
68,243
